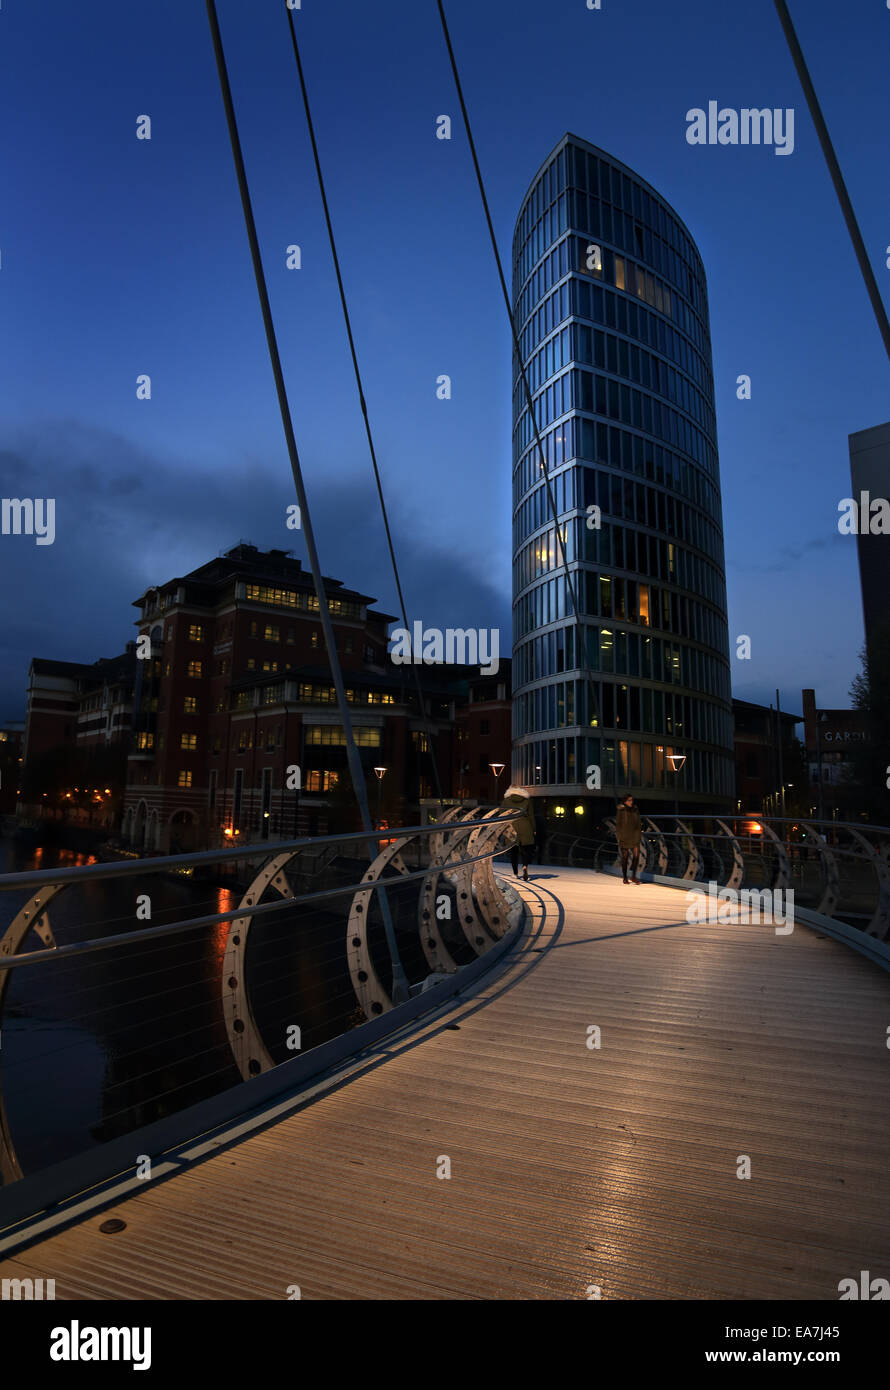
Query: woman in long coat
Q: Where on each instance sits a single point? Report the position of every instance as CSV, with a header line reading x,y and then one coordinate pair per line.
x,y
518,799
629,833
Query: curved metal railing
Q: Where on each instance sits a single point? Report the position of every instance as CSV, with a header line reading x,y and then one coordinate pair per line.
x,y
137,1002
838,869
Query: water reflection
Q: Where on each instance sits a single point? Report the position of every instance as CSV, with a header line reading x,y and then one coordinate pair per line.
x,y
96,1046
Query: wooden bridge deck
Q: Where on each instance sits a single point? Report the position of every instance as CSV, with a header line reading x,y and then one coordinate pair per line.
x,y
571,1167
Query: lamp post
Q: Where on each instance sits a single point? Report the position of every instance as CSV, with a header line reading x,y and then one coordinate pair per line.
x,y
497,769
676,761
379,773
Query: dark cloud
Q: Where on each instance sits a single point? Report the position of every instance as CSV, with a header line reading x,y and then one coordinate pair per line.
x,y
787,557
126,518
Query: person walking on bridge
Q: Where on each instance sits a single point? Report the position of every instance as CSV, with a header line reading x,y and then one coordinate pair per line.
x,y
629,832
518,799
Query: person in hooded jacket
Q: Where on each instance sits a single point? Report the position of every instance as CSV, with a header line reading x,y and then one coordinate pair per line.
x,y
629,833
518,799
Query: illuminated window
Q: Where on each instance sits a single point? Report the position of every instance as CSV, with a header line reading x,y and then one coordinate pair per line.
x,y
190,705
320,781
189,742
271,633
620,284
145,741
184,780
289,598
313,641
270,666
318,694
644,605
196,632
332,734
195,668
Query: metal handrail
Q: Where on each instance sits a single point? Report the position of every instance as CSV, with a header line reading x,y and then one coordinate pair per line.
x,y
775,851
455,851
106,943
82,873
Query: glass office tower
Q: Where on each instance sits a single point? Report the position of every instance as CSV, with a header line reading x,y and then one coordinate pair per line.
x,y
611,309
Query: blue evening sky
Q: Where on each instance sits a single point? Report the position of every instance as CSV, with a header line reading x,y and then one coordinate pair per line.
x,y
122,257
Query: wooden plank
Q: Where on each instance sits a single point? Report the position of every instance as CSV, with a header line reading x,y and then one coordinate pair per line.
x,y
570,1167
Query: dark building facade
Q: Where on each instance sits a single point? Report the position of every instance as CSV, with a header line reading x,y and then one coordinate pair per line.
x,y
77,736
12,739
870,473
237,694
830,736
610,304
767,761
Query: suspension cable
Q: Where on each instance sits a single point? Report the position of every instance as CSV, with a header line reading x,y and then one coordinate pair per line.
x,y
837,177
581,639
358,381
400,983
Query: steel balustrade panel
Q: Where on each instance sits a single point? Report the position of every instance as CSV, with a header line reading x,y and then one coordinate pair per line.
x,y
184,1007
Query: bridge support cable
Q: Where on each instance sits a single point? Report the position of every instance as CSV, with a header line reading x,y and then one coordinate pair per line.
x,y
400,983
551,497
361,394
834,169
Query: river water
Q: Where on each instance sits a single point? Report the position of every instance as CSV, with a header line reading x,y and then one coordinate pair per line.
x,y
95,1046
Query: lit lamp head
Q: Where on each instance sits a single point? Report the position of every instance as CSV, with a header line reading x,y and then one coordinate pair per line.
x,y
380,773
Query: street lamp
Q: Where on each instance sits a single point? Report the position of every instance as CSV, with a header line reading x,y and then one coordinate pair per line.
x,y
676,761
497,769
380,773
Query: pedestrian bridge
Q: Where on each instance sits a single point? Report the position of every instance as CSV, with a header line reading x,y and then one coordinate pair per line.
x,y
612,1101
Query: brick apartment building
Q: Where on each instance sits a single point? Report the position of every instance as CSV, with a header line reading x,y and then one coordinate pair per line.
x,y
12,738
757,760
76,738
236,694
830,735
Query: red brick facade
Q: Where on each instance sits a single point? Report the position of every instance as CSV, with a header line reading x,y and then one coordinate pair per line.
x,y
235,696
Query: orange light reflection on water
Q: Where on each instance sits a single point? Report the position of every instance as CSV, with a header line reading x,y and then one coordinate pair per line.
x,y
226,901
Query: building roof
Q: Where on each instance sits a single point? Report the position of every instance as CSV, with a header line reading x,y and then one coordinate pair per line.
x,y
276,567
107,668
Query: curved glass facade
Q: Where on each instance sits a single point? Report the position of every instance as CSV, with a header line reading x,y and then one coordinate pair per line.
x,y
611,309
